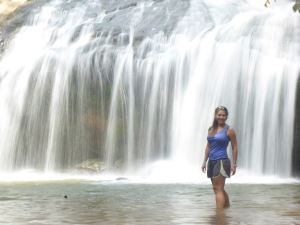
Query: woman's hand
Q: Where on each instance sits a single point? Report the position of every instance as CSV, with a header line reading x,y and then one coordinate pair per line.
x,y
203,167
233,169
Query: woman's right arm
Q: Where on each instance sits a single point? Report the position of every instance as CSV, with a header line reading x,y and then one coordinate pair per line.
x,y
205,157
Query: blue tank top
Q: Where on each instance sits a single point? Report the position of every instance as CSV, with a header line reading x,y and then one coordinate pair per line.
x,y
218,145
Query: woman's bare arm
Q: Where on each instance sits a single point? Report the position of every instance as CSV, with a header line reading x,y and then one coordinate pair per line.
x,y
231,134
205,157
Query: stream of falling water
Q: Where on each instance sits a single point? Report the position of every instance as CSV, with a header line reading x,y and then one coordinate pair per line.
x,y
80,81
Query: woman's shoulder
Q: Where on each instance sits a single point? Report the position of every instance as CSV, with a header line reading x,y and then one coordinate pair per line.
x,y
210,132
230,131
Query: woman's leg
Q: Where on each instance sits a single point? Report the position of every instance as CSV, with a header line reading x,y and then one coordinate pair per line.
x,y
227,202
218,184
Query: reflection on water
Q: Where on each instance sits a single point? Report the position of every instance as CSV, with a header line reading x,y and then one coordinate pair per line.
x,y
122,202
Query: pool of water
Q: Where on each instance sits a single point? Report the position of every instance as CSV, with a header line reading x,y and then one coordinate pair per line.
x,y
125,202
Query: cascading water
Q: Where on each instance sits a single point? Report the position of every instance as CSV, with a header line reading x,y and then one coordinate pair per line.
x,y
135,82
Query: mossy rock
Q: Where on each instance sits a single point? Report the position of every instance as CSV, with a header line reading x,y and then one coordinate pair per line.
x,y
296,7
120,164
91,166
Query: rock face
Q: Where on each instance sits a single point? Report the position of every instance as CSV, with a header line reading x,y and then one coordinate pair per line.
x,y
296,149
9,6
159,16
91,166
297,6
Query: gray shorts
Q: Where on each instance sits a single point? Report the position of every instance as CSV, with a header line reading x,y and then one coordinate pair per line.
x,y
219,167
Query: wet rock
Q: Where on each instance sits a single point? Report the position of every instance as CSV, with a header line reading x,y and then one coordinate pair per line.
x,y
119,164
121,178
296,7
91,166
7,7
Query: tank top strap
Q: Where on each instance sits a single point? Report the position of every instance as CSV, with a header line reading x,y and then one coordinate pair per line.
x,y
226,128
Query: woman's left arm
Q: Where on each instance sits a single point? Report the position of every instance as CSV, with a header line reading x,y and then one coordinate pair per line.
x,y
232,136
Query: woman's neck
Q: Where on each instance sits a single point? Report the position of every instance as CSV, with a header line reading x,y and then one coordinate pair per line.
x,y
221,125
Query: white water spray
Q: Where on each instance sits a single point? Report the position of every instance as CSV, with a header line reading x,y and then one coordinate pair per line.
x,y
74,88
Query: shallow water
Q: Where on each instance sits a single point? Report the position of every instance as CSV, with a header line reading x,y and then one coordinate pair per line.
x,y
123,202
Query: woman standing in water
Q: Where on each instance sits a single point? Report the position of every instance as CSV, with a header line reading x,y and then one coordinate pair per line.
x,y
219,166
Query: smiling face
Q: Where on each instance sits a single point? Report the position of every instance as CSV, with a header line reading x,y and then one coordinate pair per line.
x,y
221,117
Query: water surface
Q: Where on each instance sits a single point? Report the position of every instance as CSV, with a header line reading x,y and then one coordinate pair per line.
x,y
124,202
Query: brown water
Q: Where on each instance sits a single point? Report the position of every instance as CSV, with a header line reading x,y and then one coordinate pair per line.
x,y
122,202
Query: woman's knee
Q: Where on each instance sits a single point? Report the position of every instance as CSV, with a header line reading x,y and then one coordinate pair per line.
x,y
218,188
218,184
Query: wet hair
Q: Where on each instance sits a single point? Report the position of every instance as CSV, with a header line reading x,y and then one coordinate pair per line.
x,y
212,130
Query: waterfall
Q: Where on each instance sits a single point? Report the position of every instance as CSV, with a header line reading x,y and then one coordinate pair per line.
x,y
136,82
